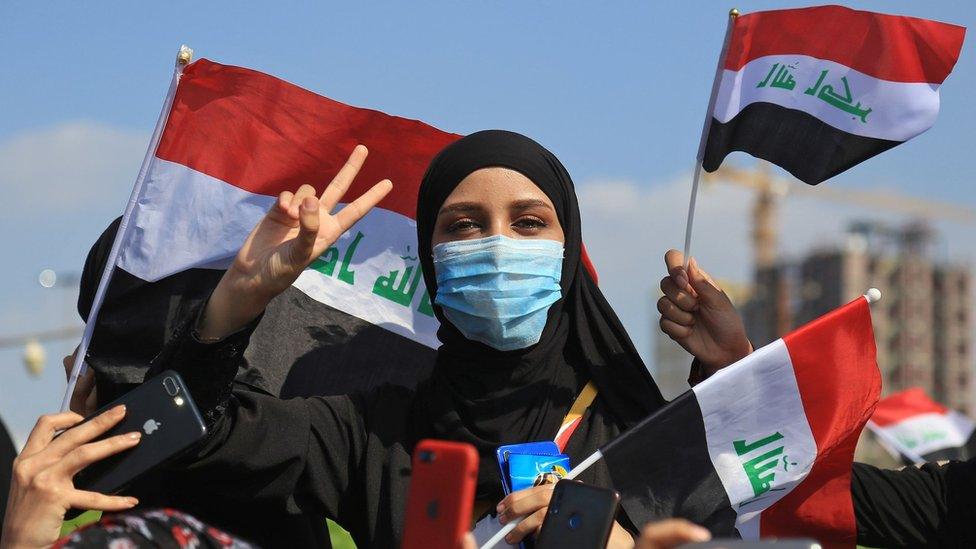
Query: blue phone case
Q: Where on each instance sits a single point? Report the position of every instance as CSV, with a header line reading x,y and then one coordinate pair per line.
x,y
543,448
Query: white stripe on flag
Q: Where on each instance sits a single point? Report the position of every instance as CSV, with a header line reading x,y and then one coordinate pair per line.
x,y
898,110
757,433
387,284
187,219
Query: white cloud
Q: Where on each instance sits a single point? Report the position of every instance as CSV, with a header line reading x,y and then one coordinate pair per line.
x,y
72,167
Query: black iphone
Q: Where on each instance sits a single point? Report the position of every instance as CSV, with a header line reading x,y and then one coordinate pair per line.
x,y
162,409
579,515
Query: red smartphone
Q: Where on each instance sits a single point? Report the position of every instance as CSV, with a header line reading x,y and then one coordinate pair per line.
x,y
441,495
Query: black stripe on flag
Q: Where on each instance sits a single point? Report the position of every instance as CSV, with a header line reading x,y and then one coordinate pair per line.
x,y
800,143
662,469
303,347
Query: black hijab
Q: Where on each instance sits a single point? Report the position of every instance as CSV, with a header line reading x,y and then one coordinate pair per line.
x,y
486,397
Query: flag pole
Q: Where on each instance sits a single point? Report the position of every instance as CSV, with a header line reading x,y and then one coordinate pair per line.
x,y
78,368
573,473
706,126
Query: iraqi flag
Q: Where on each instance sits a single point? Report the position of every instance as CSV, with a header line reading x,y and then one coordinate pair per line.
x,y
232,140
819,90
915,428
765,446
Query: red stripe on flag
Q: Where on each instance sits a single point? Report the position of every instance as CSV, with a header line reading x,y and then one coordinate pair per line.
x,y
835,363
901,406
265,135
889,47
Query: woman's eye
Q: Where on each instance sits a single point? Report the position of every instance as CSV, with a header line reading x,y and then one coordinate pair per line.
x,y
461,225
530,223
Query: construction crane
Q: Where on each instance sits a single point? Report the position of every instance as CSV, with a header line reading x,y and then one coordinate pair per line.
x,y
770,189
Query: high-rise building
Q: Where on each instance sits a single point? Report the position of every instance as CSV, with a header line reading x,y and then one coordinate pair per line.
x,y
922,326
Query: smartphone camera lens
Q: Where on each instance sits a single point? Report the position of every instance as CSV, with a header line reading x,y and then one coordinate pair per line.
x,y
427,456
172,389
574,521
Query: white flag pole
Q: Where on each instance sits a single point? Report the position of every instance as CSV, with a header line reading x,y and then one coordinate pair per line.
x,y
573,473
706,126
183,58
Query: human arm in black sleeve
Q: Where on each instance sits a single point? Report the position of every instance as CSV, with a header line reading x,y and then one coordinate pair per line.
x,y
294,454
929,506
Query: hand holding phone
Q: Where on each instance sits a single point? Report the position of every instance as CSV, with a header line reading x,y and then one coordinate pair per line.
x,y
441,495
579,515
162,410
42,489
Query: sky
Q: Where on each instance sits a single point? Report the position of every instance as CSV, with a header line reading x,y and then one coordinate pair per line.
x,y
617,90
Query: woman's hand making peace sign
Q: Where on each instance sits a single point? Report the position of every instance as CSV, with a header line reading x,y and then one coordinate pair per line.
x,y
298,228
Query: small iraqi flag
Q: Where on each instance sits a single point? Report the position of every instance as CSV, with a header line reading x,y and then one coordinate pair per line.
x,y
915,428
765,446
819,90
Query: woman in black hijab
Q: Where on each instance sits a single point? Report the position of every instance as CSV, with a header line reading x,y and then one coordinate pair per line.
x,y
498,379
487,397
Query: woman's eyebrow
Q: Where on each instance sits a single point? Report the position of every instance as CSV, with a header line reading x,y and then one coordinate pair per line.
x,y
460,207
527,203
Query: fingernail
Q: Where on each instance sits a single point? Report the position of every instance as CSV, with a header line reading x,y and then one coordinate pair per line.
x,y
502,519
510,539
308,203
119,410
701,534
500,508
135,435
133,501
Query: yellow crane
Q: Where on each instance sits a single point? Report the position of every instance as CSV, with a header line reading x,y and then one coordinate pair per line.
x,y
770,189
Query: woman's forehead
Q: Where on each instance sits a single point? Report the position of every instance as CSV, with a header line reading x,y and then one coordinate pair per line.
x,y
497,185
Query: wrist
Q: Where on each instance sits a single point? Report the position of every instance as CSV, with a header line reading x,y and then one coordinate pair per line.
x,y
740,351
231,306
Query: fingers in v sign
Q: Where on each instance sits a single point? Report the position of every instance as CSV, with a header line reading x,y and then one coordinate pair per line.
x,y
298,228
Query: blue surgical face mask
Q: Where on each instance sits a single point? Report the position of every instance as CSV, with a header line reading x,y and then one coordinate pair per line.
x,y
498,290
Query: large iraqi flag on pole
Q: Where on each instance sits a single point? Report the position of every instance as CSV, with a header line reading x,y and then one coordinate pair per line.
x,y
228,141
818,90
765,446
917,429
234,139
